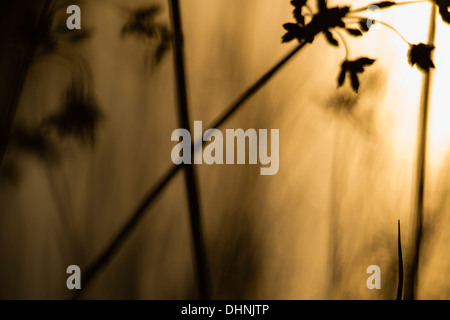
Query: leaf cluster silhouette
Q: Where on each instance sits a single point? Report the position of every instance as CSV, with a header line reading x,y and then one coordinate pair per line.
x,y
323,21
328,20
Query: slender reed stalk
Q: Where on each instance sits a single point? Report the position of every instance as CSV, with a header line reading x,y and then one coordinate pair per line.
x,y
400,265
366,8
189,170
410,290
111,249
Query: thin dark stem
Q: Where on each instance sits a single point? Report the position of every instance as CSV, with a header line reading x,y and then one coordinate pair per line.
x,y
421,167
366,8
113,247
400,264
190,172
256,86
347,48
105,257
384,24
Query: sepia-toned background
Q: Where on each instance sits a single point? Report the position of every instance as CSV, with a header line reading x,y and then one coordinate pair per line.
x,y
347,161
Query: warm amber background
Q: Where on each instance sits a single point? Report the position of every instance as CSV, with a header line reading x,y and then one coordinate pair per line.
x,y
309,232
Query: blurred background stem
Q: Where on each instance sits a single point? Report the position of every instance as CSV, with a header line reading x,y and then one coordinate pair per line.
x,y
201,263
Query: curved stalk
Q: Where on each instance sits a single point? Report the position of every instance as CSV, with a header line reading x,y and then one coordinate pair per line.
x,y
366,8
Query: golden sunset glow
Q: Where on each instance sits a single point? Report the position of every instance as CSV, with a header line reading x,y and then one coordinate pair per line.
x,y
95,177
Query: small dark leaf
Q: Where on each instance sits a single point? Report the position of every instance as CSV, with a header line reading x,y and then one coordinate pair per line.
x,y
366,24
331,39
444,6
364,61
355,81
299,17
354,32
342,75
353,68
383,4
299,4
420,54
293,31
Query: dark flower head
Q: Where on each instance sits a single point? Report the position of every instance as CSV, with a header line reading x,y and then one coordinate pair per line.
x,y
420,54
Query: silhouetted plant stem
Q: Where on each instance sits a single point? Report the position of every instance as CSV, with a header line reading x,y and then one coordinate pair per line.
x,y
366,8
410,291
189,170
387,25
400,265
256,86
105,257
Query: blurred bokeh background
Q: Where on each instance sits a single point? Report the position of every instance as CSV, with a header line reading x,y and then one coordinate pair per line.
x,y
347,160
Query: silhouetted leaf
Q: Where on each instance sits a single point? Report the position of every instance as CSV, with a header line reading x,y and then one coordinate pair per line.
x,y
355,81
444,6
299,4
342,75
366,24
353,68
331,39
383,4
354,32
293,31
79,116
420,54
